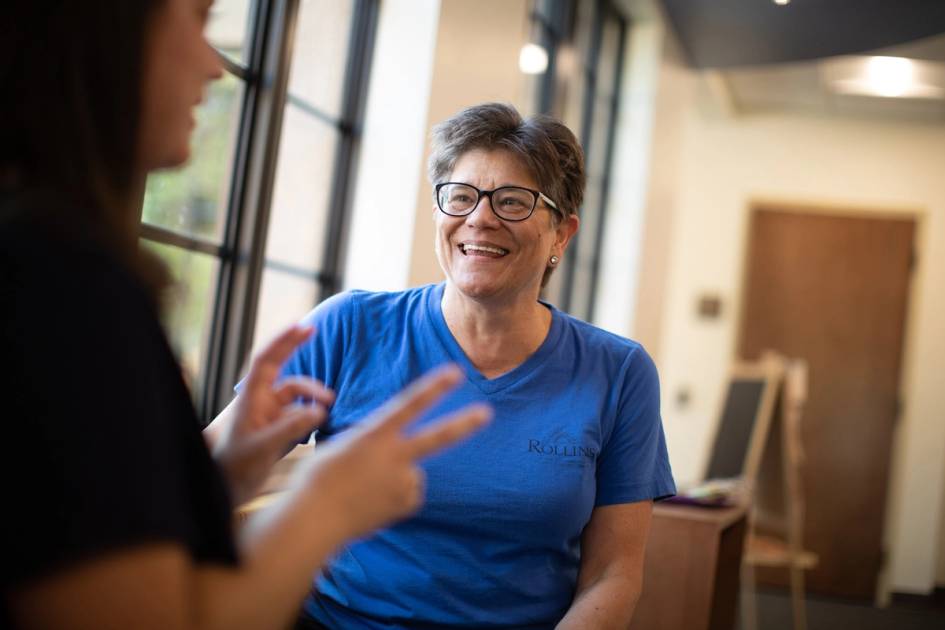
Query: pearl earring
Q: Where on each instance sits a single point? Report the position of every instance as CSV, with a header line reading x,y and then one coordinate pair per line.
x,y
554,260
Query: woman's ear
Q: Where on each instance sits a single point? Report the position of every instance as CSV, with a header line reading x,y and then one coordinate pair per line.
x,y
566,229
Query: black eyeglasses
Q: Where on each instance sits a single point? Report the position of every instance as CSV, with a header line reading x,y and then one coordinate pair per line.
x,y
509,203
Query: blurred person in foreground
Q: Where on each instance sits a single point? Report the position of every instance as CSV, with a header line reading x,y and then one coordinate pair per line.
x,y
540,520
117,515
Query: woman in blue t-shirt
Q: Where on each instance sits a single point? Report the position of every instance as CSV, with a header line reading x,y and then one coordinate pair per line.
x,y
541,519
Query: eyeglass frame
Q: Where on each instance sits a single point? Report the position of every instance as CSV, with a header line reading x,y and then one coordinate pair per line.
x,y
539,196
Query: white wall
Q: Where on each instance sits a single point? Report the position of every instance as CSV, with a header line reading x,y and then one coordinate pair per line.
x,y
380,242
726,163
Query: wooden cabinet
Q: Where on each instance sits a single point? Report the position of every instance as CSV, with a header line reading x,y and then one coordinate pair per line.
x,y
690,579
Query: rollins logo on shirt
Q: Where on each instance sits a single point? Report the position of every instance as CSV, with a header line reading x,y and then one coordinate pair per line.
x,y
561,450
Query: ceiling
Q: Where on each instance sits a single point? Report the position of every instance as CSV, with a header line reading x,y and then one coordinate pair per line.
x,y
737,33
802,57
811,87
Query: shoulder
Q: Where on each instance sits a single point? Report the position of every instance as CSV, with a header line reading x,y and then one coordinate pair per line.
x,y
66,301
51,276
607,346
373,305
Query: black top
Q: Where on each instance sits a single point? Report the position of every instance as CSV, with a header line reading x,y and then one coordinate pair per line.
x,y
100,446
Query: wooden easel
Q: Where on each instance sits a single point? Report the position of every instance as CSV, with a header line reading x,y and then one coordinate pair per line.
x,y
778,499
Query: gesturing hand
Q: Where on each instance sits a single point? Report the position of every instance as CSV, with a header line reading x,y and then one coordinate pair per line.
x,y
262,422
368,476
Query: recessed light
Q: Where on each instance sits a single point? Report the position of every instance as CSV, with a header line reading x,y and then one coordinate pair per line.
x,y
889,76
781,3
533,59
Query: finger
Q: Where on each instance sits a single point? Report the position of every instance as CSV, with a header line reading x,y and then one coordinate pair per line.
x,y
418,489
417,397
448,431
266,365
296,423
290,389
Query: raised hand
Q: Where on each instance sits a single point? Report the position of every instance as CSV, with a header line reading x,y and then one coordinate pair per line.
x,y
262,423
369,476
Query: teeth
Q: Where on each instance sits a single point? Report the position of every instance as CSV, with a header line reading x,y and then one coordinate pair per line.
x,y
484,248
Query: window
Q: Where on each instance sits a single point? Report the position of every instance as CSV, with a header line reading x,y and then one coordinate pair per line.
x,y
590,37
251,228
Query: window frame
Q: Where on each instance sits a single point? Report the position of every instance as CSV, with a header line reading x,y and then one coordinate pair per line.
x,y
241,254
553,36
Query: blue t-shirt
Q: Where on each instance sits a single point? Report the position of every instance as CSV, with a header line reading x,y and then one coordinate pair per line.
x,y
497,543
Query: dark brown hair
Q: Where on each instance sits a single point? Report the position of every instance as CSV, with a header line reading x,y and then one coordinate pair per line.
x,y
72,72
544,144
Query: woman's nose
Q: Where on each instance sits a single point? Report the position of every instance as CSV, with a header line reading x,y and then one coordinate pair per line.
x,y
482,213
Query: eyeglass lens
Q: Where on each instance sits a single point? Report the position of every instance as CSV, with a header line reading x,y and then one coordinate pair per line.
x,y
509,202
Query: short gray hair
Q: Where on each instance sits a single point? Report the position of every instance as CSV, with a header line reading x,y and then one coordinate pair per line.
x,y
545,145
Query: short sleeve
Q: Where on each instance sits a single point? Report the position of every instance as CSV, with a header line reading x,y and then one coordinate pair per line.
x,y
98,452
634,463
322,355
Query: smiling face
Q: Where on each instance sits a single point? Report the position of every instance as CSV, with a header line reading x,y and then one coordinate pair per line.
x,y
178,64
486,258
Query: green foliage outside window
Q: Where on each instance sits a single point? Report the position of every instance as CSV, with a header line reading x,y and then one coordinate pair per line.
x,y
192,201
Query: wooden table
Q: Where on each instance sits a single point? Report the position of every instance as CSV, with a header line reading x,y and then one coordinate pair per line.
x,y
690,579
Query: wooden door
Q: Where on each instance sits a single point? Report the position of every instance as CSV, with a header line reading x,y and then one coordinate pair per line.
x,y
833,289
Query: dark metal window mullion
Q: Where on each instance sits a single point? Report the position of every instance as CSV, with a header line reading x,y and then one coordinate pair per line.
x,y
547,85
357,71
237,69
251,194
298,272
158,234
553,32
305,106
608,162
587,126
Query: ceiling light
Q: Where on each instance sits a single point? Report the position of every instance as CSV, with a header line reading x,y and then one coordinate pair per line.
x,y
533,59
781,3
889,76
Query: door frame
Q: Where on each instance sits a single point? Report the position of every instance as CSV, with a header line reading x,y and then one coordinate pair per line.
x,y
857,209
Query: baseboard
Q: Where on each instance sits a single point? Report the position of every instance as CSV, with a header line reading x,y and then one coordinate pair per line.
x,y
933,601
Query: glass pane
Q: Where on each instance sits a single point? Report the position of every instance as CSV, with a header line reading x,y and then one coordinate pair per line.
x,y
607,63
584,31
601,130
283,300
229,25
570,88
320,54
302,188
188,313
586,250
192,200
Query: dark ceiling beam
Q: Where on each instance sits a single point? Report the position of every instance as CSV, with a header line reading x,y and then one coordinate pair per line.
x,y
732,33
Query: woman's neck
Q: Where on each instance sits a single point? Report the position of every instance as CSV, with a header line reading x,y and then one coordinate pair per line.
x,y
496,336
